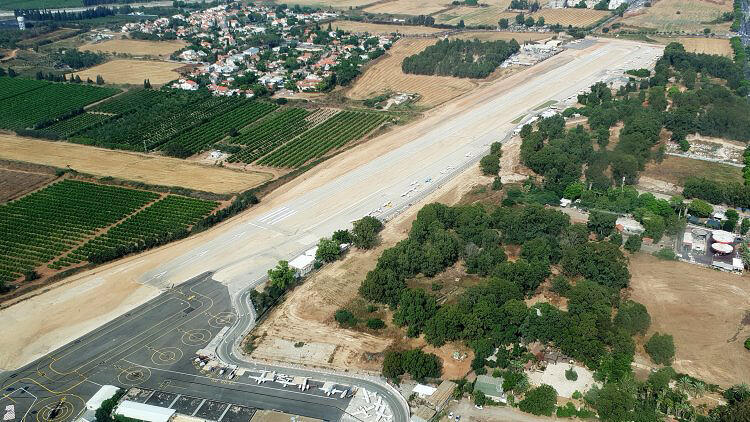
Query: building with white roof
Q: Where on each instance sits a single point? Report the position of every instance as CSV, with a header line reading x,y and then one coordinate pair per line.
x,y
143,412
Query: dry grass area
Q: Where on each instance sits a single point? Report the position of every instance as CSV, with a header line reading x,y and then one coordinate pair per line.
x,y
707,312
386,75
719,46
409,7
689,16
377,28
571,16
476,15
150,169
676,170
133,71
520,37
136,47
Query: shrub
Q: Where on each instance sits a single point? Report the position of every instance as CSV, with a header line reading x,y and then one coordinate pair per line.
x,y
375,324
633,244
661,348
666,254
560,285
571,374
345,318
633,317
490,164
747,343
497,183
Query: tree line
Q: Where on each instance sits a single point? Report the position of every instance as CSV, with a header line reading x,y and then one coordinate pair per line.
x,y
460,58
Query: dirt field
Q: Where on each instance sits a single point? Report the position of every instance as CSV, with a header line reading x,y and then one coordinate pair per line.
x,y
409,7
703,45
133,71
127,165
386,75
326,4
571,16
14,183
678,169
136,47
375,28
681,16
707,312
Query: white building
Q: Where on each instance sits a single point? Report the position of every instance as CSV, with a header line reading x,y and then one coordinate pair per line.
x,y
629,226
143,412
302,265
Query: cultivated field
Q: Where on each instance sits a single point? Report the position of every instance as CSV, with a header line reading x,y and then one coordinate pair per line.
x,y
133,72
386,75
719,46
155,170
475,15
571,16
136,47
375,28
14,183
705,310
409,7
681,16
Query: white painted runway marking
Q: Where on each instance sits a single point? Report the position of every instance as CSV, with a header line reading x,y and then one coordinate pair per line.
x,y
277,215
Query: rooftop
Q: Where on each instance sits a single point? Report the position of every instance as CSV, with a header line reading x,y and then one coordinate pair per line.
x,y
143,412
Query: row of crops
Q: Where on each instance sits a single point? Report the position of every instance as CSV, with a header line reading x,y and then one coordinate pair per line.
x,y
201,137
267,135
47,103
130,101
161,222
343,127
77,124
47,223
10,87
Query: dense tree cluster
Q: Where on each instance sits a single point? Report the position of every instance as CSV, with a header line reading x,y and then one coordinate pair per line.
x,y
77,59
460,58
48,15
418,364
717,192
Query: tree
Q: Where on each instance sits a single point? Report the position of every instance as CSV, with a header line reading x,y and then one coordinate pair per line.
x,y
615,402
365,232
540,21
633,317
282,276
328,250
345,318
744,226
541,400
601,262
700,208
479,398
146,84
633,244
615,239
490,164
520,19
342,236
601,223
661,348
503,23
11,73
574,191
529,22
375,323
414,309
99,80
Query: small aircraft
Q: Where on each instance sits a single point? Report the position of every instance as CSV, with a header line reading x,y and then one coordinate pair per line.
x,y
264,376
285,382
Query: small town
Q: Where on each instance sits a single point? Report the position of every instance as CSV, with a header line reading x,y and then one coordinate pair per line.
x,y
258,50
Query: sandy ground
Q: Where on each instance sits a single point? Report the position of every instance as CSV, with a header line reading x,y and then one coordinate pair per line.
x,y
136,47
707,312
376,28
150,169
386,75
234,261
703,45
409,7
554,375
681,15
133,72
465,408
75,308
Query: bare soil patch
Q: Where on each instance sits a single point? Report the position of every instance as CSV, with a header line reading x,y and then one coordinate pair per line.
x,y
386,75
377,28
703,309
151,169
719,46
133,72
681,16
676,170
136,47
16,183
571,16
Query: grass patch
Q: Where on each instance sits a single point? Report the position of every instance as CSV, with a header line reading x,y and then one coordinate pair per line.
x,y
518,119
545,105
678,169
